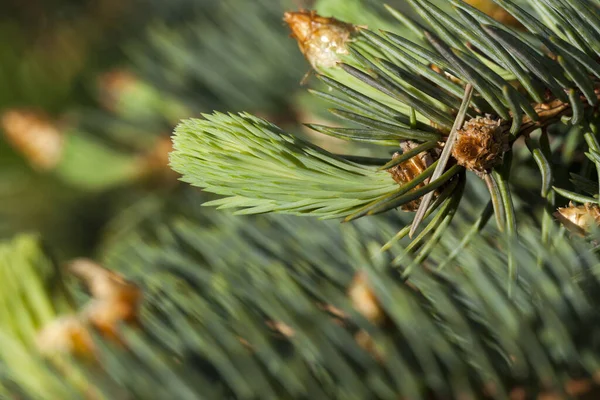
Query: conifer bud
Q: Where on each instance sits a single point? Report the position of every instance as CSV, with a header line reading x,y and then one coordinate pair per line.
x,y
322,40
114,299
155,163
69,335
409,170
364,300
35,135
114,86
480,144
579,219
366,303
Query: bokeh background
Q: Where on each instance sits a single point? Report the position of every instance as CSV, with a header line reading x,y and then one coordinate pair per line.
x,y
90,92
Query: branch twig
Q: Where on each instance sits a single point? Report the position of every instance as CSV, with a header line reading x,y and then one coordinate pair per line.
x,y
444,157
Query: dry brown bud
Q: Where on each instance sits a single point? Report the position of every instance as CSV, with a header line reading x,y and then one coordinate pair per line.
x,y
409,170
480,144
579,219
68,334
112,85
35,135
155,163
159,155
364,300
114,299
322,40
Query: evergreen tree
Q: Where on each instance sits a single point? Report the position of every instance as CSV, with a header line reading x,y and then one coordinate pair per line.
x,y
455,275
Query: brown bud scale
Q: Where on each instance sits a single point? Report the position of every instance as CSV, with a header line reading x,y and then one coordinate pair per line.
x,y
480,144
409,170
579,219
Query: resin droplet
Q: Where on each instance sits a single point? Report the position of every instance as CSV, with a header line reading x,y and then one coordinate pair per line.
x,y
322,40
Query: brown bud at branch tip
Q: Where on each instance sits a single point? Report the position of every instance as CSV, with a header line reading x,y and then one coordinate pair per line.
x,y
322,40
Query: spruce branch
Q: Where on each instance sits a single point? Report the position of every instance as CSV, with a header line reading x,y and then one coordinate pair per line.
x,y
392,90
486,54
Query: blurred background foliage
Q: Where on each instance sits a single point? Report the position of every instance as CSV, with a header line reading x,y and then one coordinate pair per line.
x,y
91,90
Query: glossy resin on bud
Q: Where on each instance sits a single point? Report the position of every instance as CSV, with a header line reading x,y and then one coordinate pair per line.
x,y
322,40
